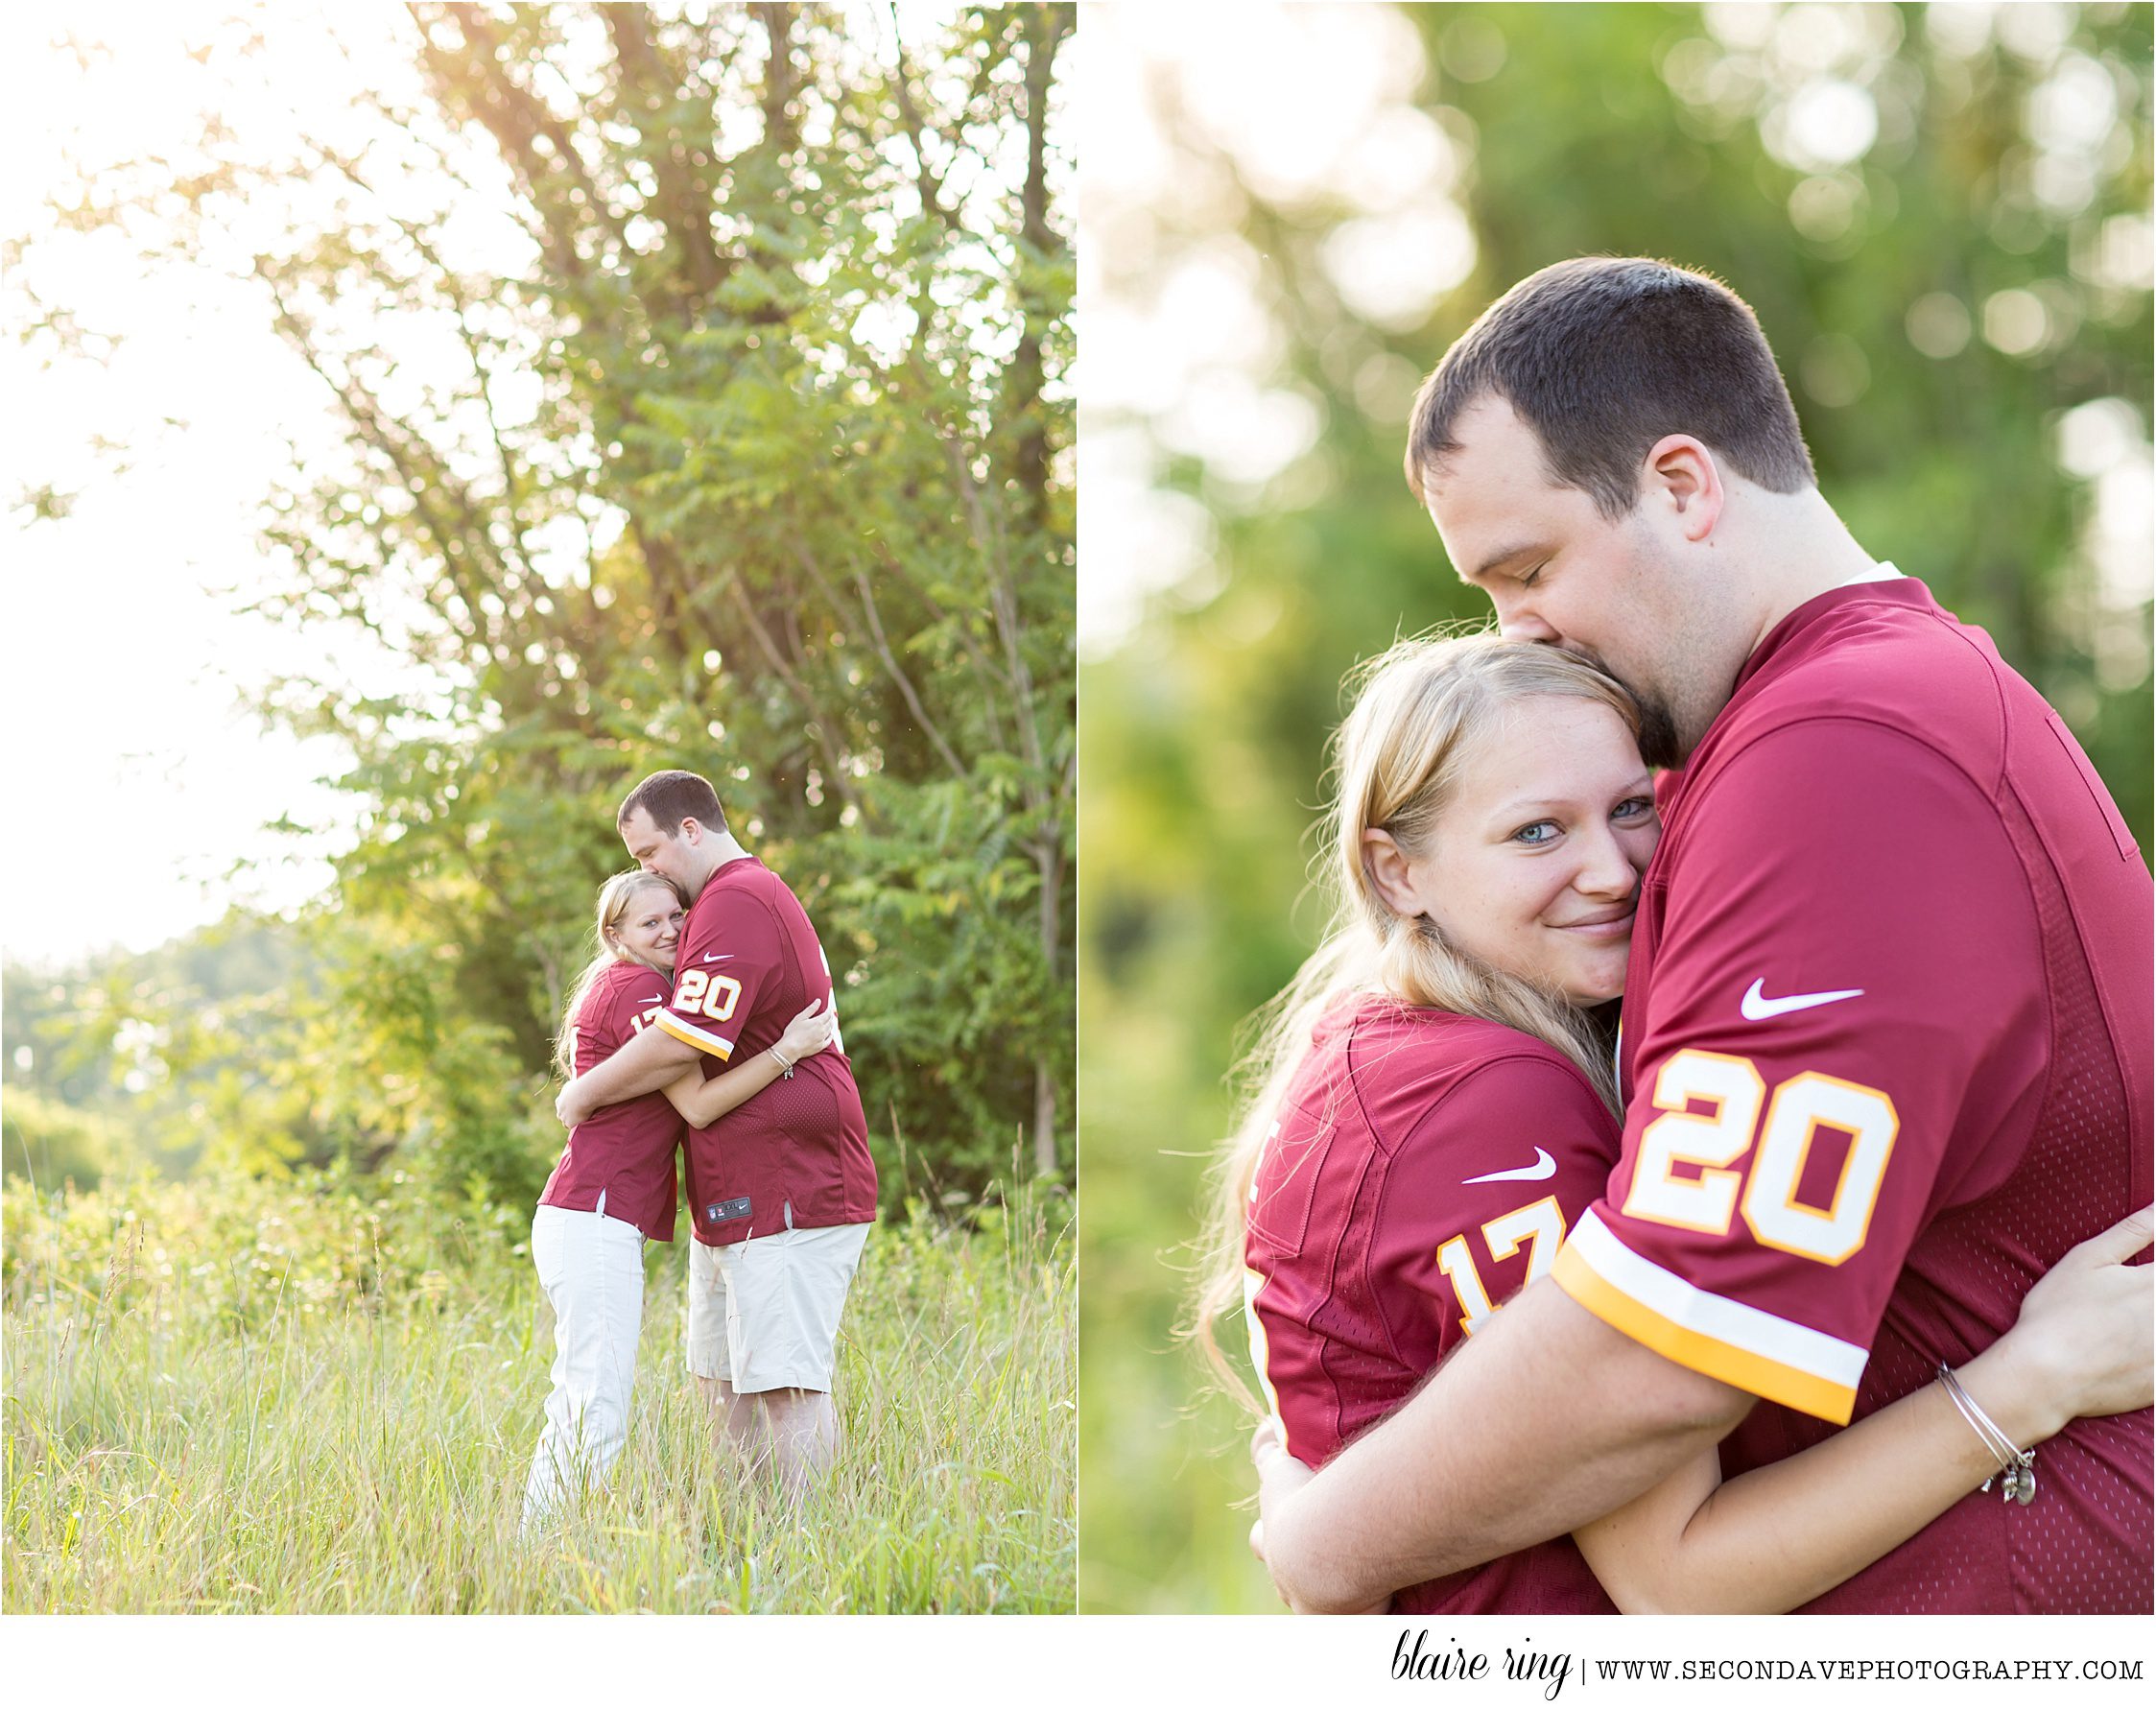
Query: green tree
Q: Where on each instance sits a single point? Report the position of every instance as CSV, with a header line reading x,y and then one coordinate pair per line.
x,y
742,443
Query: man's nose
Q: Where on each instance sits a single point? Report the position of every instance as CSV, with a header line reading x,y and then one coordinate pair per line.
x,y
1518,623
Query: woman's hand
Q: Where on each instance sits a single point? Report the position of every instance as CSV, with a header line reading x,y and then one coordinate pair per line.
x,y
2084,1330
1280,1475
811,1030
569,1106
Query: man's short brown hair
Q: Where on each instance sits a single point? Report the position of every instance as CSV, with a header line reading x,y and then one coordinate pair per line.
x,y
672,796
1602,356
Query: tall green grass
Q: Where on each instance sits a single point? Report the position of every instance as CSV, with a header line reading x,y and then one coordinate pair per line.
x,y
246,1397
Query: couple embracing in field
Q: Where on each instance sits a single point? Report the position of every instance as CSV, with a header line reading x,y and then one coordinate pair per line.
x,y
705,1024
1872,1146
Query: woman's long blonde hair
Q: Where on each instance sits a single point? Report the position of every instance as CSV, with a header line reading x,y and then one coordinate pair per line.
x,y
616,896
1419,710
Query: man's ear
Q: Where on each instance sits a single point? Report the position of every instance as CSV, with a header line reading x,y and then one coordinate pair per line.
x,y
1680,474
1388,872
690,831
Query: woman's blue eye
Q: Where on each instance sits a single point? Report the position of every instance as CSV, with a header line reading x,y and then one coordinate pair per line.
x,y
1534,836
1636,806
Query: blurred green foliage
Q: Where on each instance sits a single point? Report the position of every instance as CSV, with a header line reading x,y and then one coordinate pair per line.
x,y
239,1248
756,463
1940,303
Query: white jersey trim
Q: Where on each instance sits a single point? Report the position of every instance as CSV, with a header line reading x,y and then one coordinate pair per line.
x,y
668,1022
1729,1321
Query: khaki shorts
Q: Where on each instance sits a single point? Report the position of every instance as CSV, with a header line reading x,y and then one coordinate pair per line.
x,y
763,1313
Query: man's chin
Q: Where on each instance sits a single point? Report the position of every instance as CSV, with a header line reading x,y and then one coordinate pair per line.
x,y
1660,744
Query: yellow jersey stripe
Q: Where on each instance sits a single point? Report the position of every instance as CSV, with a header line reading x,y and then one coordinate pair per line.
x,y
1734,1344
675,1027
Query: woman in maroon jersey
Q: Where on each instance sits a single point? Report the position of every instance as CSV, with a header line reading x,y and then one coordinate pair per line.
x,y
613,1188
1436,1104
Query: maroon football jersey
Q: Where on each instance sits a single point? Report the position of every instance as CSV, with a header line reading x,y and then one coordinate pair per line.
x,y
1887,1056
796,1154
626,1150
1423,1167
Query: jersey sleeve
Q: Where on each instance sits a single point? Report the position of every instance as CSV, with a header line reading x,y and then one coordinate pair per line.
x,y
641,994
730,953
624,1003
1481,1195
1847,959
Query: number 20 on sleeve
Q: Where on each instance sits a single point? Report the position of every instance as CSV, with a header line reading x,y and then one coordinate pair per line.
x,y
1707,1201
712,995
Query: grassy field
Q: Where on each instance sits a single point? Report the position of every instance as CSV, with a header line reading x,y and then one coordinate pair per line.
x,y
247,1397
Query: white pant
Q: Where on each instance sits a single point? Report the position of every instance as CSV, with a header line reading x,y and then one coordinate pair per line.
x,y
592,1269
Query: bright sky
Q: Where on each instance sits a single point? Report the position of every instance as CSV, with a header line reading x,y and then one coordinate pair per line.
x,y
131,773
1310,101
129,765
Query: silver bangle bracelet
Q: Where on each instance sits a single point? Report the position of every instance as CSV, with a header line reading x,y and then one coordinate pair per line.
x,y
2018,1466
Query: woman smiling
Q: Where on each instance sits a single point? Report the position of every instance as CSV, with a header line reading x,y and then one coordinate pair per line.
x,y
1437,1106
613,1188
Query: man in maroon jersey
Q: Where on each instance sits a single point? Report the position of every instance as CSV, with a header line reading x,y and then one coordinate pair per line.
x,y
1886,1034
782,1189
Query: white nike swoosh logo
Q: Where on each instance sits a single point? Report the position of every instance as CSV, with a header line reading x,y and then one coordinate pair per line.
x,y
1541,1169
725,958
1755,1007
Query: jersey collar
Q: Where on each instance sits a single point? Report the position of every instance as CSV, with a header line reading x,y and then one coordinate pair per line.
x,y
1883,582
